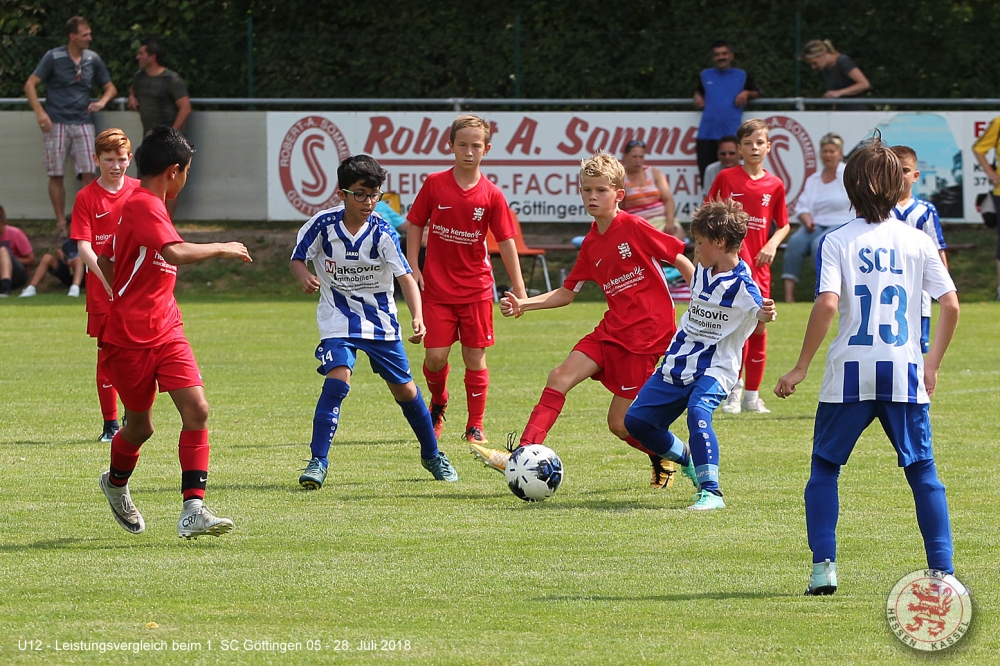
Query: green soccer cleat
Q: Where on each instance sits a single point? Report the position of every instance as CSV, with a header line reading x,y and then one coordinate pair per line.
x,y
440,467
707,501
313,475
823,581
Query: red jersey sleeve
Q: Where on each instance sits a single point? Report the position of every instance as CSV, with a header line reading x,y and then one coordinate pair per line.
x,y
500,220
82,214
663,246
580,272
420,212
780,206
157,231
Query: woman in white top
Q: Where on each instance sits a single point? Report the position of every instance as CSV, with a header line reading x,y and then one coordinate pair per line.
x,y
822,206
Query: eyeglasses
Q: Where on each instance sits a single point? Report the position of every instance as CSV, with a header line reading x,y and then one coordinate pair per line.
x,y
362,197
635,143
79,70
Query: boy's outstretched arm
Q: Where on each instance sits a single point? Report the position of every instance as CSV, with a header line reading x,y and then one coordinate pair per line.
x,y
823,312
943,333
411,294
508,252
183,253
512,306
767,312
310,283
686,268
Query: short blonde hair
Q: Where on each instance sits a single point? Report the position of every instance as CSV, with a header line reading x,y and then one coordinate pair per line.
x,y
831,139
469,120
749,127
817,47
111,141
604,165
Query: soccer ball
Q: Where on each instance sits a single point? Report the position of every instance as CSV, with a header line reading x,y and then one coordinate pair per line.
x,y
534,472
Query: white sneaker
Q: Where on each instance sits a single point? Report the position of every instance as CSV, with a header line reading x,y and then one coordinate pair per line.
x,y
755,405
74,291
28,292
122,508
731,405
197,520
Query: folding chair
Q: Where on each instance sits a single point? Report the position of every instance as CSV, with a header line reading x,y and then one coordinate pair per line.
x,y
537,255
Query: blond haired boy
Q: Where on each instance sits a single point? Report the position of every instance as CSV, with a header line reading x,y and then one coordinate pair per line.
x,y
621,253
461,205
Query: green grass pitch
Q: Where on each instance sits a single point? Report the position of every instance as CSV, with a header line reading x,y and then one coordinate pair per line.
x,y
393,566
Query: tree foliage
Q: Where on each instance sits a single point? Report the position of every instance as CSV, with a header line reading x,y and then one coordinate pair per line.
x,y
583,49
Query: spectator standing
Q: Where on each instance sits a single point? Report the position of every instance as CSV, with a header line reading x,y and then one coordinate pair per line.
x,y
722,93
843,78
68,73
822,206
729,156
647,191
16,254
158,94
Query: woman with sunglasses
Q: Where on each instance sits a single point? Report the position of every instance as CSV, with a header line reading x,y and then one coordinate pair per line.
x,y
647,191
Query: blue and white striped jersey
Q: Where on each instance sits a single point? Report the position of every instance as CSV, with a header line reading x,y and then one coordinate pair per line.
x,y
355,275
922,215
709,340
878,271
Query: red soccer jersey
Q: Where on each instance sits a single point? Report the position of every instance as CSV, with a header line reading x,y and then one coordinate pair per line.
x,y
625,261
144,312
763,200
457,267
96,214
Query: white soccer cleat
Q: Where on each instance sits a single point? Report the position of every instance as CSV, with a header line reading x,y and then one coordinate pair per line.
x,y
731,405
122,508
198,520
756,406
28,292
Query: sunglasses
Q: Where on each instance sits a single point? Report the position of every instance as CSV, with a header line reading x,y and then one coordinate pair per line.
x,y
635,143
79,70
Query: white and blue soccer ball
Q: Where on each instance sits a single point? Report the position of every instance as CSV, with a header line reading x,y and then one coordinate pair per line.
x,y
534,472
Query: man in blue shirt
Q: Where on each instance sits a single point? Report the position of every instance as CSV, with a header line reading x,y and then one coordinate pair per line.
x,y
722,93
68,73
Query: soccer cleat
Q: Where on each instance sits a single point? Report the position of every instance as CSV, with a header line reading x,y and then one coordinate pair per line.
x,y
440,467
495,458
475,435
437,418
198,520
707,501
823,581
122,508
74,291
755,406
313,475
731,405
28,292
663,472
110,430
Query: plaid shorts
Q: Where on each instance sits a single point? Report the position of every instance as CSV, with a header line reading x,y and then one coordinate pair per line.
x,y
64,140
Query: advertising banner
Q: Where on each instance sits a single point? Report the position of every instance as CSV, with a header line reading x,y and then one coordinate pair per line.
x,y
535,156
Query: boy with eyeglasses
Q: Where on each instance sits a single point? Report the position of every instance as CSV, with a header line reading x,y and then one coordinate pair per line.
x,y
356,255
461,206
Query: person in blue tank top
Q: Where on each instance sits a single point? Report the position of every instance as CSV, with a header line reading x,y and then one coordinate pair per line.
x,y
723,91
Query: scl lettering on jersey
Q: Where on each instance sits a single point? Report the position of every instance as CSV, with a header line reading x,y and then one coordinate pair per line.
x,y
873,260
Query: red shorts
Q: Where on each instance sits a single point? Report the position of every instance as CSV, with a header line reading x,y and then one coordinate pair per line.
x,y
622,372
470,323
135,373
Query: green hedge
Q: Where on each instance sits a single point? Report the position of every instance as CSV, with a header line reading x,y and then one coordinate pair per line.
x,y
583,49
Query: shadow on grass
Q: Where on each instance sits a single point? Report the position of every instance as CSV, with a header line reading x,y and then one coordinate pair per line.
x,y
667,597
67,543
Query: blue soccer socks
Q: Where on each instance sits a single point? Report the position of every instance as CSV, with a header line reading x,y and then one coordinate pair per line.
x,y
932,514
822,509
419,418
327,417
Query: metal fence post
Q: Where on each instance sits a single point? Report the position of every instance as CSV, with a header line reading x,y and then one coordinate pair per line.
x,y
250,57
798,50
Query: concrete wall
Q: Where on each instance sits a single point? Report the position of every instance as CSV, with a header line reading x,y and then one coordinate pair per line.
x,y
228,176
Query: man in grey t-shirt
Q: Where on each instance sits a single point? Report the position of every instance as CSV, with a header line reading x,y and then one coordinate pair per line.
x,y
68,73
158,94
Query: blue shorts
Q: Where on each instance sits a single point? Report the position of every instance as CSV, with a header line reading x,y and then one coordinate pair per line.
x,y
660,403
387,357
839,425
